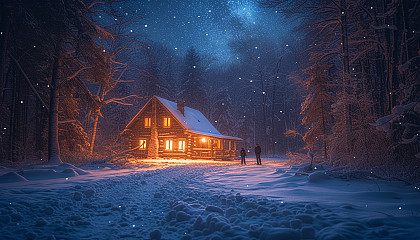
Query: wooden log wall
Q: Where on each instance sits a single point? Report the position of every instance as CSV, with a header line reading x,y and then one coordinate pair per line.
x,y
194,148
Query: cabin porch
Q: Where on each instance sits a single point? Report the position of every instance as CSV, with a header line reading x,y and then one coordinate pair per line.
x,y
188,147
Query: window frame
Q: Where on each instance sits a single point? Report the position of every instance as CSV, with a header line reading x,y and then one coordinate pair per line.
x,y
169,143
167,122
147,122
144,141
183,145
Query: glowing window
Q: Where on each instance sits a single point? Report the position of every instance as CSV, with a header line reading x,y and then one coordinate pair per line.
x,y
217,143
147,122
202,142
166,122
168,145
142,144
181,145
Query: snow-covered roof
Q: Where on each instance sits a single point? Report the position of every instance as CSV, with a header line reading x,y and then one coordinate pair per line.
x,y
192,120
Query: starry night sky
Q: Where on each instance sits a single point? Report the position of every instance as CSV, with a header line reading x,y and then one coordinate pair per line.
x,y
207,25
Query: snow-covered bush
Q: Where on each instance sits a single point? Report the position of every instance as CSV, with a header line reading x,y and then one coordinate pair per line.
x,y
403,125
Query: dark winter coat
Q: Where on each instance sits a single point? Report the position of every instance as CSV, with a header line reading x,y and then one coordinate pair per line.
x,y
258,150
243,153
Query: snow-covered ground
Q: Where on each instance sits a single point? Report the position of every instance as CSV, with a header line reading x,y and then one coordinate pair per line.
x,y
181,199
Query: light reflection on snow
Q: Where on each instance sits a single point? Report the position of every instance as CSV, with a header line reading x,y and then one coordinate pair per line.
x,y
165,162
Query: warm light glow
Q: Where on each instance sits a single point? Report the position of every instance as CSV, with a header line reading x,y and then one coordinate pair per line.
x,y
159,163
218,145
166,122
181,145
142,144
147,122
168,145
203,139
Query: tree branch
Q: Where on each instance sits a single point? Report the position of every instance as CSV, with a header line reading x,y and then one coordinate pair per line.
x,y
29,83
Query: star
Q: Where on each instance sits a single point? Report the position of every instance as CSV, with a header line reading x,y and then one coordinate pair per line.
x,y
223,20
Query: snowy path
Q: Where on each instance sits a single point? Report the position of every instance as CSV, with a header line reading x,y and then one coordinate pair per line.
x,y
198,202
280,182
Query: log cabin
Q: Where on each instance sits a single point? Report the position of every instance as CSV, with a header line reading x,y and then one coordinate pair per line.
x,y
165,129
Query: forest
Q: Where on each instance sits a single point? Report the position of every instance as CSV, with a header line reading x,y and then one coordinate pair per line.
x,y
345,87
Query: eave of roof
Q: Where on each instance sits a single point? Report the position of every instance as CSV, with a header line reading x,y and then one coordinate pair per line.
x,y
216,135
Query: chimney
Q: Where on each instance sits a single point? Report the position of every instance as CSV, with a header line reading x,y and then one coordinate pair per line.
x,y
180,106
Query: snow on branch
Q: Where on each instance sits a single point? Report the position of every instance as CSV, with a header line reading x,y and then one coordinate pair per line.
x,y
401,124
381,123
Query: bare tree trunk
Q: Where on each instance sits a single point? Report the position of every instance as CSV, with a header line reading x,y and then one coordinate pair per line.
x,y
273,104
324,130
101,96
12,119
286,127
345,59
95,126
53,145
4,21
404,34
40,127
264,109
3,79
254,125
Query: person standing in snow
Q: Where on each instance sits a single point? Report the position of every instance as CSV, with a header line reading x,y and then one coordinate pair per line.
x,y
243,154
258,154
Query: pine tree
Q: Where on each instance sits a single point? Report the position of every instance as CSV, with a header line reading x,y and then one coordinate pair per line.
x,y
222,109
317,108
193,91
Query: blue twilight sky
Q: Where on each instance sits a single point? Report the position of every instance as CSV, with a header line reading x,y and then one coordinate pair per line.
x,y
207,25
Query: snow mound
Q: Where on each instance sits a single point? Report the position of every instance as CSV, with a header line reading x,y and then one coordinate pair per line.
x,y
79,171
42,172
318,176
12,177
